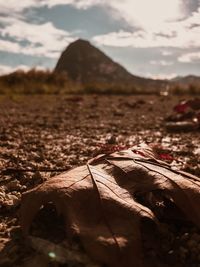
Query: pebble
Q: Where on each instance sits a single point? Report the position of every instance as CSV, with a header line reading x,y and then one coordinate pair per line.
x,y
13,185
185,236
191,243
196,237
11,200
179,242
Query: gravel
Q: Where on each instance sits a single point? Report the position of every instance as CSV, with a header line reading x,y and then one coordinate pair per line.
x,y
44,135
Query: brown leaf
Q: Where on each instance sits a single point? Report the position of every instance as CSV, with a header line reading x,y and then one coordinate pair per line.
x,y
101,202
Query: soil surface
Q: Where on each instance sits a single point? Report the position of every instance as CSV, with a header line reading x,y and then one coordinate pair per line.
x,y
41,136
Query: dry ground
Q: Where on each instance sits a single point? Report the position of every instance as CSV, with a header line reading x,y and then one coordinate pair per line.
x,y
54,133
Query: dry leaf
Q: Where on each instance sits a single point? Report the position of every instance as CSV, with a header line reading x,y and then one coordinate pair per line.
x,y
107,201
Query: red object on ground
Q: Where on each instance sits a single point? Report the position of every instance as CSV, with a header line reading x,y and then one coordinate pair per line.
x,y
181,107
165,157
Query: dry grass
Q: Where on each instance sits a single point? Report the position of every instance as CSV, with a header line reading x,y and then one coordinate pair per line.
x,y
48,82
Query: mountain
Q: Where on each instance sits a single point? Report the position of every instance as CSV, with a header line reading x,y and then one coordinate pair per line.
x,y
86,64
187,80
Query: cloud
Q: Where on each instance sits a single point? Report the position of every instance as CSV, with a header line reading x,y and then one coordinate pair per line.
x,y
148,15
4,69
166,53
149,24
190,58
19,36
145,12
80,4
11,6
155,23
190,6
158,23
40,39
161,62
161,76
178,34
9,46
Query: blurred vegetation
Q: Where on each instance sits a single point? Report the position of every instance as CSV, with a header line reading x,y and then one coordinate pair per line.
x,y
48,82
113,88
190,89
36,82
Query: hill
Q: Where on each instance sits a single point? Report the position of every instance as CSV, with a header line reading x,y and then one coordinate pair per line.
x,y
187,80
86,64
189,83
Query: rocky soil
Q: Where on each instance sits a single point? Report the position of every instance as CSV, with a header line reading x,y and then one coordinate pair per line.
x,y
41,136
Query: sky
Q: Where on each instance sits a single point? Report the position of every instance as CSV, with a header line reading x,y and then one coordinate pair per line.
x,y
150,38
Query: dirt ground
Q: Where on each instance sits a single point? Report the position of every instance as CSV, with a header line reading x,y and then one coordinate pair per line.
x,y
45,135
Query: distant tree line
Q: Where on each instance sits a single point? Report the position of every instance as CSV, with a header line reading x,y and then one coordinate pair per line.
x,y
48,82
190,89
35,82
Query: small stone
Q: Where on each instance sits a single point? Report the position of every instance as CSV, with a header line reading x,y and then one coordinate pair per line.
x,y
2,227
24,187
194,250
12,200
195,237
185,236
118,113
112,140
37,176
191,243
3,242
183,250
13,185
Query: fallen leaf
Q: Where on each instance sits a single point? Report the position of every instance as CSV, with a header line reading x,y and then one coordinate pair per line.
x,y
106,202
59,253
